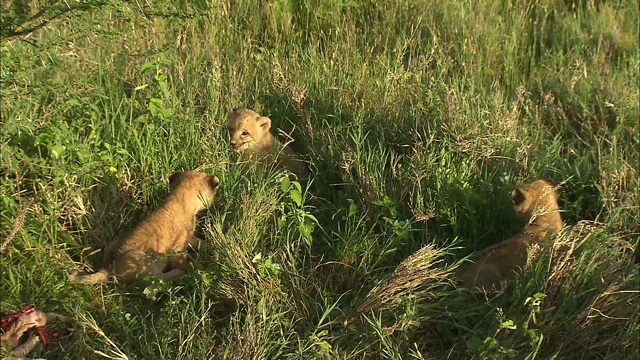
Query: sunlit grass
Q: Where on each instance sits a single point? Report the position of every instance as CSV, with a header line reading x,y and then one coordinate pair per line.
x,y
417,119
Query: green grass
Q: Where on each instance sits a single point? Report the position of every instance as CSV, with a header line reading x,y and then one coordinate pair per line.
x,y
417,119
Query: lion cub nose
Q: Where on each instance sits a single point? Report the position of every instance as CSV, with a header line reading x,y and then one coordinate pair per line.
x,y
233,143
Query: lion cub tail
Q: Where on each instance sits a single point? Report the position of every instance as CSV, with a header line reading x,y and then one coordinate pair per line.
x,y
100,275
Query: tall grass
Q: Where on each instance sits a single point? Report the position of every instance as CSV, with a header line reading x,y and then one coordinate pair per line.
x,y
416,118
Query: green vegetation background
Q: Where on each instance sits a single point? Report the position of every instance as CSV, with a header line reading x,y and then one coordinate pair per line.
x,y
417,119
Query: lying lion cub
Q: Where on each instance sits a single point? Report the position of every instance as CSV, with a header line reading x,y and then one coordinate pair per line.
x,y
537,203
147,251
250,135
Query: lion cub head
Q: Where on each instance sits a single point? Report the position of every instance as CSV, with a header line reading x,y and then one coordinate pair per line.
x,y
537,200
188,184
248,130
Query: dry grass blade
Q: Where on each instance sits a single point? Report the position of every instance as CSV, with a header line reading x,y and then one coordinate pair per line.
x,y
566,249
16,227
116,353
415,274
567,242
612,313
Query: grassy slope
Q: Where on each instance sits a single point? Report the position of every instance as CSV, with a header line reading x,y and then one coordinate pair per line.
x,y
441,106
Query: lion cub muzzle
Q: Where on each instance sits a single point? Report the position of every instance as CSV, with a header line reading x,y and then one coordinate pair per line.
x,y
248,130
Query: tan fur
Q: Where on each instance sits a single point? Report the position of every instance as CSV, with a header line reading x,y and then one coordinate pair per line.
x,y
537,203
152,247
250,135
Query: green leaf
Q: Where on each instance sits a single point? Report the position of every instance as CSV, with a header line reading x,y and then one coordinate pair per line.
x,y
155,106
166,113
305,231
311,217
297,186
508,324
285,184
282,221
353,209
539,296
296,196
164,88
41,139
146,67
57,150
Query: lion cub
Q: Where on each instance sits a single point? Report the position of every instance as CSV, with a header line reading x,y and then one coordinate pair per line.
x,y
537,203
148,249
250,135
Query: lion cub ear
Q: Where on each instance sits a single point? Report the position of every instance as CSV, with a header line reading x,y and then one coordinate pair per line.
x,y
213,181
517,196
173,179
264,123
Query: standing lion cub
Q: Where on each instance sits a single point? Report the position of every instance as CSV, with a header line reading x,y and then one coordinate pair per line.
x,y
250,135
537,203
150,249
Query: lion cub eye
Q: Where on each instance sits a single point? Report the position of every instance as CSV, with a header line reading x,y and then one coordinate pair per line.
x,y
245,133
